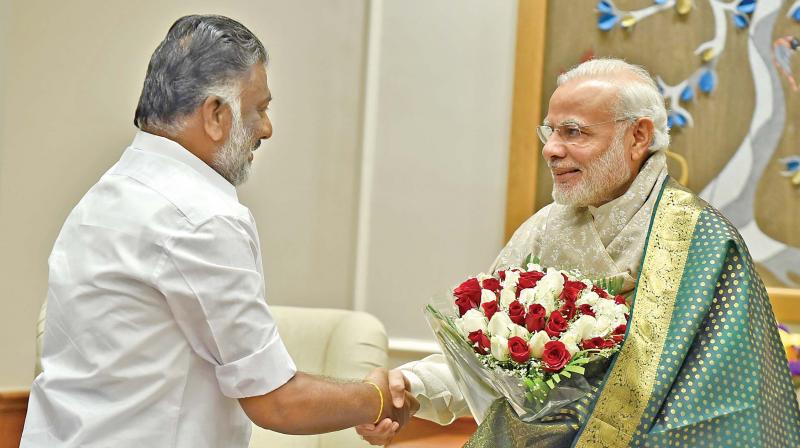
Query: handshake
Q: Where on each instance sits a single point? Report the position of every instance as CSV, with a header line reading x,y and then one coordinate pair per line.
x,y
398,406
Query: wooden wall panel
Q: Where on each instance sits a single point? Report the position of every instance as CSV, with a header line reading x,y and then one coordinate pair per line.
x,y
526,113
13,407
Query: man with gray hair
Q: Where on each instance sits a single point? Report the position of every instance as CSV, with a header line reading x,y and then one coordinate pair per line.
x,y
158,333
701,363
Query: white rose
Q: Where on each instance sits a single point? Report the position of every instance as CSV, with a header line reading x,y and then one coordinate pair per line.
x,y
548,288
534,267
583,327
570,340
603,327
487,296
544,297
506,297
588,298
536,344
481,277
517,330
512,278
553,280
527,296
605,308
472,320
500,324
499,347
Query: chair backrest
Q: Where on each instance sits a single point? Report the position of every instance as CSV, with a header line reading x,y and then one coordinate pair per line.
x,y
40,338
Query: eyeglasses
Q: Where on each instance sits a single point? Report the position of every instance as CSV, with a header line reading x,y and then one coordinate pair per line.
x,y
572,133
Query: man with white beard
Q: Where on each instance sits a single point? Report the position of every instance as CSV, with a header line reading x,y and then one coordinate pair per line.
x,y
618,215
158,333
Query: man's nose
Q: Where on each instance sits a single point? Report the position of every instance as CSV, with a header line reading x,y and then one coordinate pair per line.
x,y
554,149
265,131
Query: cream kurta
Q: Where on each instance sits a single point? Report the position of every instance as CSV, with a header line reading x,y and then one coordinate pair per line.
x,y
599,242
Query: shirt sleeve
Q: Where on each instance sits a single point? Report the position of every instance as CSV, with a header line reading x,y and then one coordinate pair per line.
x,y
432,384
211,278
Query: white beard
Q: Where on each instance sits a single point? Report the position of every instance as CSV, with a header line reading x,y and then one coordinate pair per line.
x,y
601,177
232,160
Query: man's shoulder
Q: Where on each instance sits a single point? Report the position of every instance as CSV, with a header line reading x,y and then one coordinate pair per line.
x,y
710,219
172,187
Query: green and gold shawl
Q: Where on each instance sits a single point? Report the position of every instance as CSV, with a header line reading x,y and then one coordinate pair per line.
x,y
702,363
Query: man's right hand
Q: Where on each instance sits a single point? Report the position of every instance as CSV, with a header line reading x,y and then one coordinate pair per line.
x,y
403,406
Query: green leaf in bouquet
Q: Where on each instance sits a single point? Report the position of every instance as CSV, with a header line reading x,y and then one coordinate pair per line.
x,y
537,391
611,284
575,369
565,373
557,378
580,359
530,259
550,383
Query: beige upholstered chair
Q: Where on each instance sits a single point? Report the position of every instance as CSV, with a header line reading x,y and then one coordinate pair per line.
x,y
334,343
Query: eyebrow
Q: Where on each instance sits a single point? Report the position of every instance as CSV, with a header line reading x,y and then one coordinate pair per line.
x,y
571,121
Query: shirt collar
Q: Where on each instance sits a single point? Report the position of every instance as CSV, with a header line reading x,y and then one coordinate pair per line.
x,y
144,141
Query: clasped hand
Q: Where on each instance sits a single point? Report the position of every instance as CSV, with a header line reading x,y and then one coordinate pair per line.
x,y
402,406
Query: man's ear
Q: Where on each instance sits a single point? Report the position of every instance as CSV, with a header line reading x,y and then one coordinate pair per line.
x,y
643,134
216,118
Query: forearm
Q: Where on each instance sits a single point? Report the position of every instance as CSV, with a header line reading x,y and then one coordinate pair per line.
x,y
311,405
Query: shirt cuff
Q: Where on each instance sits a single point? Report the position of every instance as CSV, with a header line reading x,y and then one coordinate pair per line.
x,y
257,374
417,387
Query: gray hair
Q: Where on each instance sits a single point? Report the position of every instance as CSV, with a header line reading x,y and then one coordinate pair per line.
x,y
638,94
201,56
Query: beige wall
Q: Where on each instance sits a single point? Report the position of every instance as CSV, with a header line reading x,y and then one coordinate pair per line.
x,y
75,70
437,134
427,128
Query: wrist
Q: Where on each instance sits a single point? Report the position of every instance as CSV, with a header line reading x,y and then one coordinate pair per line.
x,y
378,397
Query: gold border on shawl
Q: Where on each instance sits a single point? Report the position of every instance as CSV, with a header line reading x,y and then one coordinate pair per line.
x,y
621,403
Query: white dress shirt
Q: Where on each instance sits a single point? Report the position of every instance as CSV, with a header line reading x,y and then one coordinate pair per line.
x,y
157,320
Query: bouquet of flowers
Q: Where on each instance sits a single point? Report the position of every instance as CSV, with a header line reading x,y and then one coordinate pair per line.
x,y
530,335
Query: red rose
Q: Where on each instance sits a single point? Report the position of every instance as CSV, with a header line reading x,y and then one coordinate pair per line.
x,y
489,308
571,291
535,319
619,300
616,339
595,342
600,292
586,309
556,325
502,275
620,329
529,279
480,341
470,290
518,349
492,284
568,310
464,305
516,312
555,356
